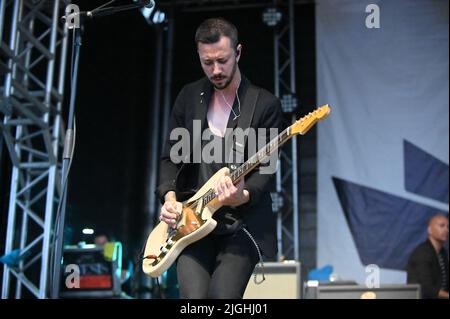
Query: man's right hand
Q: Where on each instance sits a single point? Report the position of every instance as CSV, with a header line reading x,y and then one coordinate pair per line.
x,y
170,212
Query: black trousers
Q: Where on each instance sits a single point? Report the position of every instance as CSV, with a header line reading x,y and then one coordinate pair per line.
x,y
217,266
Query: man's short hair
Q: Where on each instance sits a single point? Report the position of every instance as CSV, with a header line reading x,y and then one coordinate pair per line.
x,y
212,29
436,216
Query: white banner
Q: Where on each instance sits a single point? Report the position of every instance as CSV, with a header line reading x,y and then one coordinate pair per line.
x,y
383,153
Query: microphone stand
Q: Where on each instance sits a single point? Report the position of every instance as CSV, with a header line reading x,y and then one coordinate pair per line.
x,y
69,139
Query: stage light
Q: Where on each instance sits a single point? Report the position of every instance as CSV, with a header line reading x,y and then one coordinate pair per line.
x,y
288,103
88,231
146,12
153,15
277,202
271,16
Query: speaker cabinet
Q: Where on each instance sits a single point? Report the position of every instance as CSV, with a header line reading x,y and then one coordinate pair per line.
x,y
362,292
91,268
282,281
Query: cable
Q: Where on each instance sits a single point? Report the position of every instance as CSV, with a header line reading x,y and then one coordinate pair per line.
x,y
260,257
63,192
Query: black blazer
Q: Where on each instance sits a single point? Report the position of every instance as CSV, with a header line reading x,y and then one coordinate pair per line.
x,y
191,104
423,268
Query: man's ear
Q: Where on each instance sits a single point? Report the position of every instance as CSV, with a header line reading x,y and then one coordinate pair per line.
x,y
238,52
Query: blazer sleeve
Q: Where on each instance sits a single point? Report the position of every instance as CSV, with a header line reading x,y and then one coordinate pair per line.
x,y
168,169
420,271
258,183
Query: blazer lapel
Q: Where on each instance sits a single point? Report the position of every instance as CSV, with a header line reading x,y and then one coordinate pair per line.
x,y
204,94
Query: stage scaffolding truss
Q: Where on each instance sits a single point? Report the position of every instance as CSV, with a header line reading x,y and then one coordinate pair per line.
x,y
33,47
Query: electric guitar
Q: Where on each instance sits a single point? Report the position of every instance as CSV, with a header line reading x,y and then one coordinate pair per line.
x,y
164,244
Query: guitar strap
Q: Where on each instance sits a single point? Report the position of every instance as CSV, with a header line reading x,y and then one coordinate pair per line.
x,y
244,122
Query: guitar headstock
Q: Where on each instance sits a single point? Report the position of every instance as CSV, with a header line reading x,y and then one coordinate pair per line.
x,y
303,125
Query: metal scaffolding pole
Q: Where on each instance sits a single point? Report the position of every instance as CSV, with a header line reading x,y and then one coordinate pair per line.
x,y
286,196
30,107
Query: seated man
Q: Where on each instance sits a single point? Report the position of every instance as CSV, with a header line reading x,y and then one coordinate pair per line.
x,y
428,264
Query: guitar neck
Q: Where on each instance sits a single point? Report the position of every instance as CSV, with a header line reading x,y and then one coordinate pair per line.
x,y
301,126
252,162
260,156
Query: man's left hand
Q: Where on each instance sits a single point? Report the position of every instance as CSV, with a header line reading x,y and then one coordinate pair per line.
x,y
229,194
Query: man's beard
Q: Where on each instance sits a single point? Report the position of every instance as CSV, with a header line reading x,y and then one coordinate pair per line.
x,y
225,85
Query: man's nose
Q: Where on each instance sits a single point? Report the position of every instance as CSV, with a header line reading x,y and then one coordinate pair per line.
x,y
216,68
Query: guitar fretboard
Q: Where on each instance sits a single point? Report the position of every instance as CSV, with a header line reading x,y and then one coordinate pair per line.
x,y
251,163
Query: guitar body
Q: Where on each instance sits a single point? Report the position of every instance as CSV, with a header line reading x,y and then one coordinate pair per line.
x,y
163,246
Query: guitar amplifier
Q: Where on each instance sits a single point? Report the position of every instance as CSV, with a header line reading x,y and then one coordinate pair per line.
x,y
336,291
283,281
97,272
